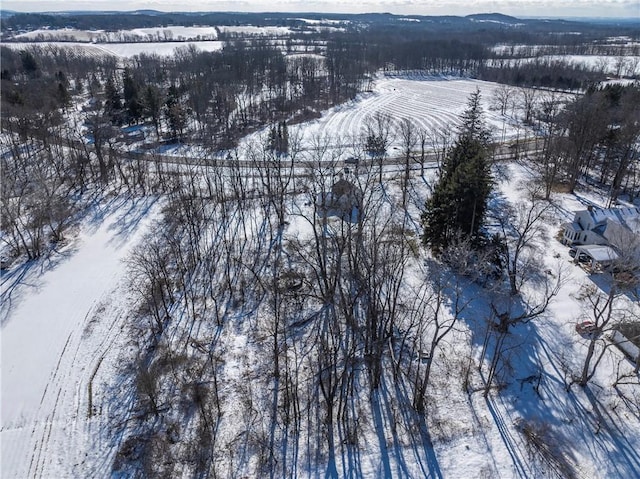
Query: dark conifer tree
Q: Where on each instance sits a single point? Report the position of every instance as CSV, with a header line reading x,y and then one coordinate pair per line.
x,y
29,64
457,207
112,102
152,106
176,113
132,102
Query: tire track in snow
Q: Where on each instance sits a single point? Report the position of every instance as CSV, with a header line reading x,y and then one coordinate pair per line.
x,y
38,444
76,397
48,361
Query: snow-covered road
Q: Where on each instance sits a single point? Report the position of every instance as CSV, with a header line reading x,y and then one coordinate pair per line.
x,y
58,323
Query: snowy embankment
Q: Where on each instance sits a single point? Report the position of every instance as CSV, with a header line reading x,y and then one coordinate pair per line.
x,y
61,317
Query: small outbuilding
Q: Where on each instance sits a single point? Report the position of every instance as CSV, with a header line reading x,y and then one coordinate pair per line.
x,y
344,200
598,256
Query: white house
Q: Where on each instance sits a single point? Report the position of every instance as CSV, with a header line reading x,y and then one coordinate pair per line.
x,y
615,227
605,235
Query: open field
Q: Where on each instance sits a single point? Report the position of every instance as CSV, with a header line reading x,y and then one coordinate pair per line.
x,y
121,50
430,103
175,33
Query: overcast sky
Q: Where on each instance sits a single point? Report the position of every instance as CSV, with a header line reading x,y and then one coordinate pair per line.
x,y
536,8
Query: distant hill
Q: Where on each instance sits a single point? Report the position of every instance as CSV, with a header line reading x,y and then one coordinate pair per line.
x,y
494,17
148,18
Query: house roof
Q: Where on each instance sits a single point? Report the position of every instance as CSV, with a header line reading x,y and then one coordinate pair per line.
x,y
628,217
343,187
599,253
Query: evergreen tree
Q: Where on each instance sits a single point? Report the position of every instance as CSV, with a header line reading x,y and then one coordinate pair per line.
x,y
152,106
29,64
472,121
132,103
278,140
458,204
176,113
284,140
112,102
62,95
272,141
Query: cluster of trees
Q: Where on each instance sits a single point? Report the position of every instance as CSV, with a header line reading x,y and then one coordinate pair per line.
x,y
343,340
543,72
505,255
213,99
337,341
486,28
334,333
279,138
144,19
593,139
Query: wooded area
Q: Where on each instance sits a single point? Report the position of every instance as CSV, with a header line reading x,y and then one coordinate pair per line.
x,y
280,321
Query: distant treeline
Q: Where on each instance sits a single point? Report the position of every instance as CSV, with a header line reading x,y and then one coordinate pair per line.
x,y
499,27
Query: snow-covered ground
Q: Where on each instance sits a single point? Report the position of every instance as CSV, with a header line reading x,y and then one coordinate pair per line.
x,y
136,34
122,50
428,102
432,104
624,65
61,320
597,428
254,30
63,323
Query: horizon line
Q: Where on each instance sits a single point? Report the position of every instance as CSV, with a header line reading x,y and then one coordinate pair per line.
x,y
265,12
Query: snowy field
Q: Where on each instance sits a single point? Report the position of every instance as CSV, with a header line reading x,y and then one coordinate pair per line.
x,y
429,102
432,104
249,30
122,50
64,318
176,33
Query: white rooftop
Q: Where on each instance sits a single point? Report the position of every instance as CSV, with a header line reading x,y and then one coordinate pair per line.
x,y
598,252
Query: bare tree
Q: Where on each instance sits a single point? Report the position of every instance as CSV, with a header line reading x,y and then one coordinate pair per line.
x,y
502,98
438,306
522,231
528,98
550,159
442,140
508,311
409,139
377,137
605,309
